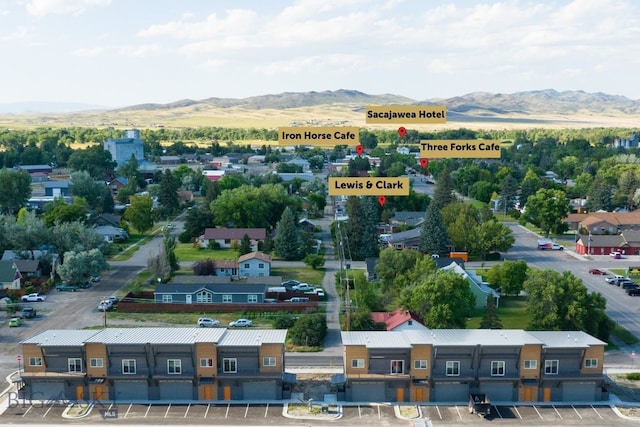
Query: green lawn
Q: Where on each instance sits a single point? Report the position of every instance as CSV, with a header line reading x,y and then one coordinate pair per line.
x,y
301,274
186,252
512,313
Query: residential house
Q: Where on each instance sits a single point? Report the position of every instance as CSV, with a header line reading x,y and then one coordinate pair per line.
x,y
213,175
39,255
38,177
256,159
111,234
117,184
10,276
405,218
225,267
28,267
479,288
303,163
229,237
209,293
409,239
169,160
254,264
158,364
290,176
306,225
108,219
57,189
398,320
447,365
604,222
32,169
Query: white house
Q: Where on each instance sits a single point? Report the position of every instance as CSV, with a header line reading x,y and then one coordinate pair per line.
x,y
254,264
479,288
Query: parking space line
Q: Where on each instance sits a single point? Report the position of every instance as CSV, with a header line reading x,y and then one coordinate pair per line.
x,y
226,415
379,414
539,414
168,408
596,411
458,409
517,412
359,412
187,411
498,411
207,411
557,412
246,411
438,409
577,413
147,411
45,414
127,413
27,411
266,410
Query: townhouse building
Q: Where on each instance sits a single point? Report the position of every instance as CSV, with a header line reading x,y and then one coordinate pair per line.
x,y
448,365
160,364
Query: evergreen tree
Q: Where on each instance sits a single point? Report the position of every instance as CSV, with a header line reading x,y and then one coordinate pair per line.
x,y
170,244
508,188
287,240
433,234
370,218
490,318
245,245
443,192
168,193
107,200
354,229
599,196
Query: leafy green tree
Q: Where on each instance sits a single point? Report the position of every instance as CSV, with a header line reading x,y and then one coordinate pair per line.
x,y
443,299
74,236
433,234
59,211
15,190
530,184
546,210
509,276
583,184
196,221
168,193
245,245
140,214
85,186
95,160
490,236
560,302
490,318
309,331
460,219
394,263
79,266
287,240
361,321
443,192
314,261
169,243
600,195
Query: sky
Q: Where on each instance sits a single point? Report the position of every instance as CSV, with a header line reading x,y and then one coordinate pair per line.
x,y
115,53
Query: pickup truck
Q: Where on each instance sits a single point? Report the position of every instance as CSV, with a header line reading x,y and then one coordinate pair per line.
x,y
28,313
67,287
33,298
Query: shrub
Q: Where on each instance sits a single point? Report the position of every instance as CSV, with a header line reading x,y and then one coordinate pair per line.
x,y
633,376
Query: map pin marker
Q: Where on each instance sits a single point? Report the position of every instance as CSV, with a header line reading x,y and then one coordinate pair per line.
x,y
402,131
359,149
424,163
382,200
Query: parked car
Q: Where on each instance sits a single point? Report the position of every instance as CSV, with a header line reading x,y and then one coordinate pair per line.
x,y
207,322
15,322
629,285
615,280
241,323
67,287
114,299
633,292
303,287
35,297
96,278
105,305
597,271
86,285
297,299
289,284
615,255
625,282
316,291
28,313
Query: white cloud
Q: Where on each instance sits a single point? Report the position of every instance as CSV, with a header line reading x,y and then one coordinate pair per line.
x,y
62,7
88,52
314,64
236,21
19,33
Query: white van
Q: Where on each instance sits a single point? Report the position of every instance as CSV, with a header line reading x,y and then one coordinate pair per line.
x,y
276,289
297,299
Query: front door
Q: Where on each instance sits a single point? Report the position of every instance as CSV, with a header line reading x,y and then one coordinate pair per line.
x,y
188,299
400,394
227,392
207,392
79,392
419,391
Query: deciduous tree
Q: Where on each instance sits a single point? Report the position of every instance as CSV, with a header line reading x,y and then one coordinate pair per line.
x,y
546,210
15,190
139,214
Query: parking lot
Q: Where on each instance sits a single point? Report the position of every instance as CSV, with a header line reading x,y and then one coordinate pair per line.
x,y
272,414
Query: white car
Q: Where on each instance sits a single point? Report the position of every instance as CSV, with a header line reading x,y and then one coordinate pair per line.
x,y
303,287
241,323
105,305
33,298
207,322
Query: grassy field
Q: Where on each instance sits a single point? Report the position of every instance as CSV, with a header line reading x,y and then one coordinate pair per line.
x,y
301,274
512,313
186,252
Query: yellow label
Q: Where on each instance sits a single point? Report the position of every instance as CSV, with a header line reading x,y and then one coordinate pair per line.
x,y
460,149
368,186
405,114
319,136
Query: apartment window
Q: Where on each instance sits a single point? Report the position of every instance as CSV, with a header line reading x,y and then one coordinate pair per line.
x,y
497,368
453,368
167,298
246,265
252,298
227,298
96,362
591,363
35,361
531,364
229,365
261,265
551,367
397,366
129,366
357,363
227,241
419,364
269,361
206,363
204,296
75,365
174,366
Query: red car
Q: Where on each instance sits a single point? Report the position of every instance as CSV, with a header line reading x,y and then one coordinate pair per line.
x,y
597,271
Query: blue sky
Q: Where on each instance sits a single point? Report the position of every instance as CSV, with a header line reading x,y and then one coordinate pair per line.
x,y
125,52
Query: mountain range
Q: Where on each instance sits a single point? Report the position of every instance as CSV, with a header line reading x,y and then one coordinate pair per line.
x,y
340,107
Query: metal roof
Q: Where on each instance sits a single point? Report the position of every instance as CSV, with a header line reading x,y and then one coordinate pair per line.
x,y
157,335
376,339
252,337
61,337
566,339
484,337
214,288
